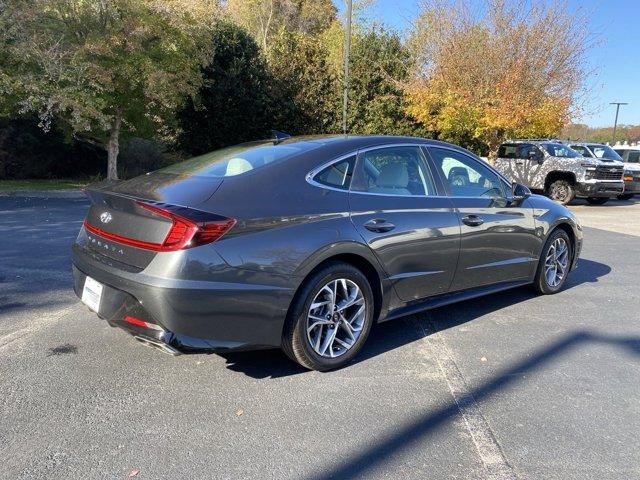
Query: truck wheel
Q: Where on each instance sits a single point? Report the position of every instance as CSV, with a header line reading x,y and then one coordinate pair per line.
x,y
625,196
561,191
597,200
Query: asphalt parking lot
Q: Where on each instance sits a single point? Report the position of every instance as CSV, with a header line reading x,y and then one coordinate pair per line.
x,y
504,387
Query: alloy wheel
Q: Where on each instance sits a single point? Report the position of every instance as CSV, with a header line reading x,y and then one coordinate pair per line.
x,y
557,262
335,318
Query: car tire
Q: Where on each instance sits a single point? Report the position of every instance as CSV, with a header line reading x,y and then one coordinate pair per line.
x,y
597,200
561,191
625,196
304,343
542,283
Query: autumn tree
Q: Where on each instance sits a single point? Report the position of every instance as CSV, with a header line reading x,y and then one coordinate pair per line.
x,y
104,68
265,18
515,69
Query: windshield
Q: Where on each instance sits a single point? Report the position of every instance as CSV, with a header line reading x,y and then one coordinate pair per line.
x,y
560,150
232,161
605,152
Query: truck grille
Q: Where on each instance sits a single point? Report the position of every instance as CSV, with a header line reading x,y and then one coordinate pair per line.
x,y
609,173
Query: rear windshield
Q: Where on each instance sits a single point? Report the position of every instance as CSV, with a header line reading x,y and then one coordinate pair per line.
x,y
605,152
236,160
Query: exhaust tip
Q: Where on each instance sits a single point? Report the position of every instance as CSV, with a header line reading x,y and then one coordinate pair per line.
x,y
151,343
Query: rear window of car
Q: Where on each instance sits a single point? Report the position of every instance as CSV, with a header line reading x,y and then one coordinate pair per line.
x,y
507,151
236,160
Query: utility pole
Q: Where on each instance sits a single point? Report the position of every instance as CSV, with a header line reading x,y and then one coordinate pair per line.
x,y
615,124
347,48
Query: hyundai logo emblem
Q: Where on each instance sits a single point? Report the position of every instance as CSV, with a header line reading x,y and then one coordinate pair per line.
x,y
105,217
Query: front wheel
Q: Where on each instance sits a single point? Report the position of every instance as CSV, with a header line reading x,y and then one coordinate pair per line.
x,y
330,318
625,196
562,191
554,264
597,200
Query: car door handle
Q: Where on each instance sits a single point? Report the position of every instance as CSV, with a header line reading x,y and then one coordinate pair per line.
x,y
379,225
472,220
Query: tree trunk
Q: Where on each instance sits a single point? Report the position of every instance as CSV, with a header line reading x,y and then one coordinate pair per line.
x,y
113,146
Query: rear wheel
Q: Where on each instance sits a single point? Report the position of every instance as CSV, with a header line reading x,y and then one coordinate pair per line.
x,y
597,200
554,264
625,196
561,191
330,318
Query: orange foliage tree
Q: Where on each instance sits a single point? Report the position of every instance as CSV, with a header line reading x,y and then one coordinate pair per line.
x,y
508,69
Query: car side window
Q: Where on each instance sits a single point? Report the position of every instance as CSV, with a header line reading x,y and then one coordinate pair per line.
x,y
527,151
582,150
393,171
465,176
508,151
338,174
633,156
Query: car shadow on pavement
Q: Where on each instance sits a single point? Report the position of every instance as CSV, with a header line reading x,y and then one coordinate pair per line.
x,y
390,335
407,435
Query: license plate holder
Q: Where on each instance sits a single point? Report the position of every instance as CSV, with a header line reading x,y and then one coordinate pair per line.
x,y
92,294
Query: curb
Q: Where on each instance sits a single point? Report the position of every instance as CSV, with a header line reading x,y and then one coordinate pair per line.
x,y
42,193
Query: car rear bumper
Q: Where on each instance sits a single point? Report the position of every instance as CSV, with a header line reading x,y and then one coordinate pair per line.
x,y
187,314
599,188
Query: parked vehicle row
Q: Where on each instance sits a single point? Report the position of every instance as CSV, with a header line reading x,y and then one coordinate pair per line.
x,y
566,170
631,158
305,243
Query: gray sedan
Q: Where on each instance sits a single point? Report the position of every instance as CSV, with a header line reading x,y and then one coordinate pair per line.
x,y
305,243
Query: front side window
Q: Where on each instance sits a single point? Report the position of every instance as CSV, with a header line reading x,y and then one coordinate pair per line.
x,y
338,174
528,151
394,171
465,176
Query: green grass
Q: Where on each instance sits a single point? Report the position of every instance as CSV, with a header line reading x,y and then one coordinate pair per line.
x,y
41,184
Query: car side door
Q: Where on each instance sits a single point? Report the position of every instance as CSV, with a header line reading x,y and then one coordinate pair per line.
x,y
413,231
498,238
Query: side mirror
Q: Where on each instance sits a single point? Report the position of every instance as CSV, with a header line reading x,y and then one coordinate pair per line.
x,y
519,193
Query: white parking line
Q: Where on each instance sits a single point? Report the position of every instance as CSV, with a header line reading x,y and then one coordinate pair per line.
x,y
488,448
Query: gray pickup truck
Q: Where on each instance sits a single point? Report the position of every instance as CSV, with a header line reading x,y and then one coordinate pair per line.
x,y
560,172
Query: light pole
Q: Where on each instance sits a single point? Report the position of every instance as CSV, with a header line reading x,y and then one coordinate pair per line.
x,y
615,124
347,48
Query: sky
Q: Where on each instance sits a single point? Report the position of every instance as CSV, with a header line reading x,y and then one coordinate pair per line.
x,y
614,61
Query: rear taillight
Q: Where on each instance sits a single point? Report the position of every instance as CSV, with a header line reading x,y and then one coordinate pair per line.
x,y
184,232
187,233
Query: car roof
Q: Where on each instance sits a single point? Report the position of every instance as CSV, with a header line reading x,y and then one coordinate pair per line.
x,y
356,142
536,141
626,147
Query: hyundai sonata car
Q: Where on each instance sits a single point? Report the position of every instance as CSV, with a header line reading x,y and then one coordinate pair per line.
x,y
305,243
